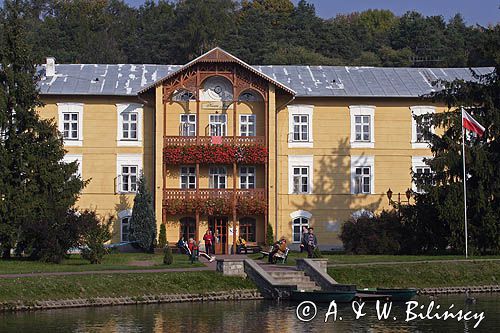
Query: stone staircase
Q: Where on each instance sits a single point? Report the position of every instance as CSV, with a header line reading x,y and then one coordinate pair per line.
x,y
295,277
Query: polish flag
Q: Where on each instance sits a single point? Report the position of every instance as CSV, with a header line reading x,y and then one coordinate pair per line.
x,y
471,124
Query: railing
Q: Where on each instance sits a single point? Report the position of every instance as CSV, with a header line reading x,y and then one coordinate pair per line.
x,y
206,140
170,194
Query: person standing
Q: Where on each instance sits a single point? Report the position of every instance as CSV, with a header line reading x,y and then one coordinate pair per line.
x,y
311,242
208,238
302,239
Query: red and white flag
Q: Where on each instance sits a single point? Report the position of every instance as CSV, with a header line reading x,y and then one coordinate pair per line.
x,y
471,124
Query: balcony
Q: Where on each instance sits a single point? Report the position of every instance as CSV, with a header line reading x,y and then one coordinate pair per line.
x,y
205,194
207,140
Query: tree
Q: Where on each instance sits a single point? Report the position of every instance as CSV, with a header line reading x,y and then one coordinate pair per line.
x,y
444,187
143,221
96,234
270,235
168,258
162,237
37,189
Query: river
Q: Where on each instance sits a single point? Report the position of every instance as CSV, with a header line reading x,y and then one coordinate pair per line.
x,y
251,316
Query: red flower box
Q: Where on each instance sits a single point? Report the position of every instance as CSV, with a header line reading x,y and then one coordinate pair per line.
x,y
215,154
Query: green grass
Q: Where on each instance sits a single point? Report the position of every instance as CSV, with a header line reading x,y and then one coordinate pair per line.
x,y
420,275
30,289
360,259
112,261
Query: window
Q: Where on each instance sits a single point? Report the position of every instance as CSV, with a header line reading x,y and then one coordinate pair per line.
x,y
362,180
247,229
301,180
128,169
188,125
362,175
421,172
298,224
70,158
129,178
188,177
217,177
71,123
217,125
129,132
421,129
300,126
300,174
362,126
3,134
247,177
247,125
188,228
125,223
129,125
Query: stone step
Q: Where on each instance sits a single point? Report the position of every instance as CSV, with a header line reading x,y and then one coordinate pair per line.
x,y
296,279
285,274
302,285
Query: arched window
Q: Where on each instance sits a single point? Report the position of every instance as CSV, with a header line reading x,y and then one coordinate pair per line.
x,y
300,219
248,228
188,228
217,88
124,217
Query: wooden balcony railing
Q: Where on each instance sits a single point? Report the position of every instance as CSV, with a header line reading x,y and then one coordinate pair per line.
x,y
171,194
206,140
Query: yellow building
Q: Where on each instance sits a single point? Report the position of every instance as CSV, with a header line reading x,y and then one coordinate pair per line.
x,y
225,144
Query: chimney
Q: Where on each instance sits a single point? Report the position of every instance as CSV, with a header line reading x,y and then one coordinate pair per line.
x,y
50,68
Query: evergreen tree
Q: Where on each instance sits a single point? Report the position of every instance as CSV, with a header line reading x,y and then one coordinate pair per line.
x,y
37,189
270,235
162,237
444,187
143,222
168,258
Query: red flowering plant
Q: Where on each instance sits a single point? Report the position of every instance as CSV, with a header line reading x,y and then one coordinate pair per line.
x,y
215,154
216,206
182,206
247,206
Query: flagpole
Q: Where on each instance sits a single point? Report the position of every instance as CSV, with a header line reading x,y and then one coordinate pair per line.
x,y
465,177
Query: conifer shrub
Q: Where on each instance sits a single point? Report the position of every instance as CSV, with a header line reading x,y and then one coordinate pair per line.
x,y
168,258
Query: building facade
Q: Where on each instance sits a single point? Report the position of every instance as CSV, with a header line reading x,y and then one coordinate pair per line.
x,y
234,148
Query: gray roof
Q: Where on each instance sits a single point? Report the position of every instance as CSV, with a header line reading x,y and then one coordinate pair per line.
x,y
307,81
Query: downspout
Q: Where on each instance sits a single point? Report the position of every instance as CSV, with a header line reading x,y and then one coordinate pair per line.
x,y
276,145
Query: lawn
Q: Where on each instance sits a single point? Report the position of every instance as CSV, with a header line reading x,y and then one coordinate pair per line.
x,y
361,259
30,289
112,261
419,275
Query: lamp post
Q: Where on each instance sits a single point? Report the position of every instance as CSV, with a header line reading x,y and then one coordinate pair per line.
x,y
399,202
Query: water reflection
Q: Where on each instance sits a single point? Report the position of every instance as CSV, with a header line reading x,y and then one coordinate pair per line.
x,y
248,316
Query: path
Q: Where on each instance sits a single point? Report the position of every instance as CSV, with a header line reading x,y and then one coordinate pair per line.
x,y
330,264
209,266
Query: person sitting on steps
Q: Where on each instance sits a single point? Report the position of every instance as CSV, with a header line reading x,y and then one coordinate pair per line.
x,y
241,245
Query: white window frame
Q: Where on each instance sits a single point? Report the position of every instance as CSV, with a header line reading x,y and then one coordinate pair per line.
x,y
219,175
418,162
217,123
127,160
247,123
247,174
418,111
300,161
70,158
362,161
63,108
362,110
300,214
188,174
124,214
186,124
298,110
129,108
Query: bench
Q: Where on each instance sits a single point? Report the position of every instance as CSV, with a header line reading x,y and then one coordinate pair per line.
x,y
279,256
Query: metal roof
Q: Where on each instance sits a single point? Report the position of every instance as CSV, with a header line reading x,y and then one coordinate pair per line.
x,y
306,81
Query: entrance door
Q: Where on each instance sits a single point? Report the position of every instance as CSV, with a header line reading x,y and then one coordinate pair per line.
x,y
219,228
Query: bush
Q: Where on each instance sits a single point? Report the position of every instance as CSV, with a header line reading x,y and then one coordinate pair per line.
x,y
143,222
270,235
162,237
168,258
317,253
380,234
93,248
